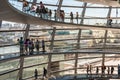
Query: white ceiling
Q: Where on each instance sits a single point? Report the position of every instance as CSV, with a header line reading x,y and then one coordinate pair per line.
x,y
113,3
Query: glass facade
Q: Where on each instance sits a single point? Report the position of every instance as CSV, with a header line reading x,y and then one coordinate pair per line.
x,y
69,50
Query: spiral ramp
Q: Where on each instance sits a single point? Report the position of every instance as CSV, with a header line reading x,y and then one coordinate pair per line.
x,y
9,13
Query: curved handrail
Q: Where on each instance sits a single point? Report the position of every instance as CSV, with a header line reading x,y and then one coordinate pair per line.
x,y
25,18
63,70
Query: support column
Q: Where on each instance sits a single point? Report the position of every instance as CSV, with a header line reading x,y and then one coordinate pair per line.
x,y
104,46
76,62
83,13
109,13
26,34
52,38
59,8
49,65
20,73
79,37
51,48
76,55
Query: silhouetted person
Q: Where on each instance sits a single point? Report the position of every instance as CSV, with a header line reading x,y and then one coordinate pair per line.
x,y
103,69
50,14
26,43
87,69
37,45
97,70
21,43
42,7
43,46
77,15
90,69
55,15
108,70
36,74
112,70
44,72
71,17
109,22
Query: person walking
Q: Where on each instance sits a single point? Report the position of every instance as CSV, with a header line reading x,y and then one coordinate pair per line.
x,y
97,70
44,72
87,69
71,17
112,70
36,74
43,46
37,45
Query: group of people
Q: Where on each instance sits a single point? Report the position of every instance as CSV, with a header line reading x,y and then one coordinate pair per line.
x,y
39,10
27,46
44,73
109,69
43,12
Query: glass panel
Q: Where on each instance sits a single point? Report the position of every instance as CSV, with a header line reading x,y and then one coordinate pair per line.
x,y
9,38
58,57
97,22
67,65
35,60
66,72
66,34
7,51
10,76
101,12
72,2
48,1
69,56
58,66
64,46
86,59
115,12
11,26
29,72
40,35
9,65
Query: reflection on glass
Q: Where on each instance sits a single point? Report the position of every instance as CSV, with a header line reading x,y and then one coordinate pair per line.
x,y
35,60
57,57
10,76
9,65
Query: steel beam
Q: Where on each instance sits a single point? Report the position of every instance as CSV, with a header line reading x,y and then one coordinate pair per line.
x,y
26,34
59,8
83,13
20,73
52,38
79,37
104,46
